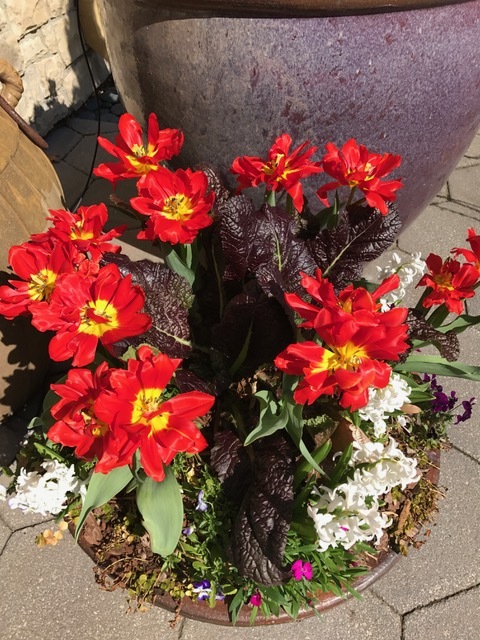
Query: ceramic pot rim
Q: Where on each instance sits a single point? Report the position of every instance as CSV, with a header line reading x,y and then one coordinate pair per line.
x,y
298,8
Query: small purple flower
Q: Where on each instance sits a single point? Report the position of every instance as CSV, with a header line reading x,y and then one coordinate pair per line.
x,y
255,599
301,570
202,584
467,411
188,530
452,400
441,403
201,504
202,588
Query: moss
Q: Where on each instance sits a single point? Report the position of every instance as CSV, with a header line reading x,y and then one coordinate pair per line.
x,y
419,507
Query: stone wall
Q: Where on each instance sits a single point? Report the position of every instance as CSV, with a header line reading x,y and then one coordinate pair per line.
x,y
40,38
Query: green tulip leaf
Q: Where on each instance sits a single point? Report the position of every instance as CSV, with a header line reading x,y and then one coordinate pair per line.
x,y
102,488
440,366
161,506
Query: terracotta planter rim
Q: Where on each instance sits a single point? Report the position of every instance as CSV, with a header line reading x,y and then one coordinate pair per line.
x,y
218,615
298,8
200,611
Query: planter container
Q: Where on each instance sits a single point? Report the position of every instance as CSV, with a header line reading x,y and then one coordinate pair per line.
x,y
200,610
402,78
29,186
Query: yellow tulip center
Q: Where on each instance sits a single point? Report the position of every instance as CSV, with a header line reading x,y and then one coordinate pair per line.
x,y
270,167
41,285
349,356
79,233
98,317
145,410
346,305
177,207
443,281
142,159
96,427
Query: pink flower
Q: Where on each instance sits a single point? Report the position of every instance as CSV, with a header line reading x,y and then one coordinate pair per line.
x,y
255,599
301,570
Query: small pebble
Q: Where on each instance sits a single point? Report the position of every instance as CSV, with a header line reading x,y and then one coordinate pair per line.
x,y
118,109
109,97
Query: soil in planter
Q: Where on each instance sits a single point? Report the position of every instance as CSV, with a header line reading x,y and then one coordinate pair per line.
x,y
118,544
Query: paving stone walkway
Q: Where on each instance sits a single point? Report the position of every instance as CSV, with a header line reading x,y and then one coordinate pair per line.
x,y
434,593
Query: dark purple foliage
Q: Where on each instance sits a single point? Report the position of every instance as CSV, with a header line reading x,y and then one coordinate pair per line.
x,y
363,235
446,343
263,487
168,298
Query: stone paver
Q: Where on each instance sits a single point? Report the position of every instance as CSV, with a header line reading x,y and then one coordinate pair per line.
x,y
100,190
82,155
53,594
365,619
469,213
467,162
464,185
457,618
474,149
89,126
450,559
72,180
60,142
437,230
5,534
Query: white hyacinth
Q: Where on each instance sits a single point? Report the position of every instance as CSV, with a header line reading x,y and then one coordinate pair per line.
x,y
407,270
344,516
382,467
45,493
351,513
383,402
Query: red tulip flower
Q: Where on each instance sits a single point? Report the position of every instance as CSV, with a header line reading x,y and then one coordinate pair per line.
x,y
163,427
354,166
39,266
135,158
352,302
349,364
450,283
84,229
78,426
177,205
85,311
356,336
473,254
281,169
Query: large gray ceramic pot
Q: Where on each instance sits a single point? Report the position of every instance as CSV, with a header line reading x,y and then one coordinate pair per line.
x,y
234,75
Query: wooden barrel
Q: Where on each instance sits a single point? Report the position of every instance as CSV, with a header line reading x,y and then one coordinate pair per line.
x,y
29,186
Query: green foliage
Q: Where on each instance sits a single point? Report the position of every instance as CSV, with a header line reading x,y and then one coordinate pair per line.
x,y
102,488
161,506
438,365
273,416
340,470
